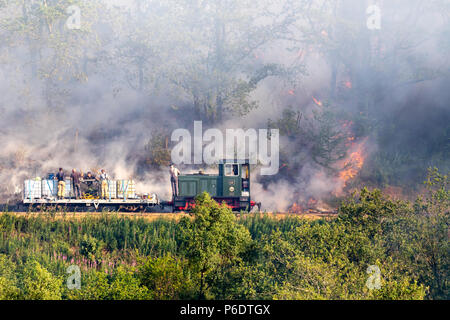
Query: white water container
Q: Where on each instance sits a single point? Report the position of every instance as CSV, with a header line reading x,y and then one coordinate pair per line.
x,y
112,189
68,191
126,189
49,188
32,189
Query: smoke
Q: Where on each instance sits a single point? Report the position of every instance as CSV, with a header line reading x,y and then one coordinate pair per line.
x,y
139,76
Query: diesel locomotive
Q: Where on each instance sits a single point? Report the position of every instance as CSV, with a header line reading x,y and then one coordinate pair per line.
x,y
231,186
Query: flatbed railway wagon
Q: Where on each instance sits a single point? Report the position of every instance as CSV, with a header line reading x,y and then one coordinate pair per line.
x,y
231,186
131,205
42,194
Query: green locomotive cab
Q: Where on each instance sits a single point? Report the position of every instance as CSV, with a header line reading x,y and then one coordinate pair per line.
x,y
231,185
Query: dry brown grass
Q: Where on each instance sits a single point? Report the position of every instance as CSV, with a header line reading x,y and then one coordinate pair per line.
x,y
309,216
81,215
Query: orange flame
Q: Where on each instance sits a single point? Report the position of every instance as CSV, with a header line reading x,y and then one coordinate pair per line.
x,y
318,102
283,165
295,208
353,164
347,123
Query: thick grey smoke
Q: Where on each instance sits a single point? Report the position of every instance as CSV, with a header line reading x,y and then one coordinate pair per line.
x,y
143,66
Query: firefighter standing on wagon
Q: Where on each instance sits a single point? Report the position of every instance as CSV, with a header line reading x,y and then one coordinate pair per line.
x,y
76,185
174,173
61,184
103,177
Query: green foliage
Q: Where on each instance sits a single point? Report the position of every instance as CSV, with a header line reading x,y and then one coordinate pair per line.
x,y
296,276
8,279
122,284
402,290
167,277
288,124
8,290
89,247
125,285
367,210
327,136
213,242
94,286
39,284
438,200
215,255
158,153
321,136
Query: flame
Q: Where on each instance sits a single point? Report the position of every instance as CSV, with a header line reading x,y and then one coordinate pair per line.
x,y
318,102
295,208
258,55
353,164
312,206
346,124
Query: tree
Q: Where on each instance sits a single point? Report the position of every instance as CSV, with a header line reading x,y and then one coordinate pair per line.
x,y
94,286
157,150
125,285
419,237
122,284
89,247
212,242
8,279
58,55
215,43
368,209
140,45
327,136
39,284
438,194
166,277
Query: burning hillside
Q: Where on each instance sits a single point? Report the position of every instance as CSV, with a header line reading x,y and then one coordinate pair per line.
x,y
97,96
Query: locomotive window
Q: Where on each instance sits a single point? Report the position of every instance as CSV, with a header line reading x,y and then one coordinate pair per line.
x,y
231,169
